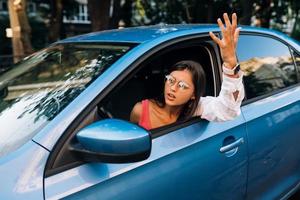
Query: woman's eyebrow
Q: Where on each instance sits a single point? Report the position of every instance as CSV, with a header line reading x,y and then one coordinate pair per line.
x,y
173,77
178,79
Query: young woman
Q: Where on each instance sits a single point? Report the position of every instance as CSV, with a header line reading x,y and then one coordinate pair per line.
x,y
185,85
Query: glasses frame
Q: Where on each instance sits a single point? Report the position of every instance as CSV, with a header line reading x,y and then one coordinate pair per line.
x,y
171,81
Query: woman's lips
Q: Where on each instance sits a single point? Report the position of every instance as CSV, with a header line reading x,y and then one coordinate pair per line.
x,y
171,97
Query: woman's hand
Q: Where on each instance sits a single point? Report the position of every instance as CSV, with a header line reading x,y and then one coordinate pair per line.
x,y
230,35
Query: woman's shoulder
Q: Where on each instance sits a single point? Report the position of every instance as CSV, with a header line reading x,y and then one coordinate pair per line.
x,y
137,110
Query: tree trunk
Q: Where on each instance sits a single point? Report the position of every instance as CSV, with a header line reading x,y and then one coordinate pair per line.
x,y
114,21
247,6
126,13
21,29
99,14
265,9
56,20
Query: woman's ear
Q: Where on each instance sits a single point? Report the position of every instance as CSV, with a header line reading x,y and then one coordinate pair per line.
x,y
193,97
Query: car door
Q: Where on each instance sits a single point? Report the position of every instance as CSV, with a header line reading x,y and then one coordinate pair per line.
x,y
192,160
272,112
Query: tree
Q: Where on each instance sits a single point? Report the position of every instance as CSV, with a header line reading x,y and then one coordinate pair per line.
x,y
295,5
126,13
55,20
247,11
179,11
57,9
99,14
116,14
21,29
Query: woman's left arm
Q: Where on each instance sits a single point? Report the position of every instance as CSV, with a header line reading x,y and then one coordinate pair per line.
x,y
227,105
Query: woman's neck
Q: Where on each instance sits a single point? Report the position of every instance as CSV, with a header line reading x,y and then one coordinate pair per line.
x,y
173,111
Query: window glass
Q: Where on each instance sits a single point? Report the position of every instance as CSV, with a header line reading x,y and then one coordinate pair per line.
x,y
34,91
267,64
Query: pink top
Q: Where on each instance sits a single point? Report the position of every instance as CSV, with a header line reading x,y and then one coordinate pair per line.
x,y
145,118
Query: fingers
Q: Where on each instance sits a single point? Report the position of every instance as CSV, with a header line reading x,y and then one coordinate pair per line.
x,y
229,33
236,36
220,23
221,26
215,38
230,28
234,21
227,21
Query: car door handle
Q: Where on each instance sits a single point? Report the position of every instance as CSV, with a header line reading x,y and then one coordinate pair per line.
x,y
232,146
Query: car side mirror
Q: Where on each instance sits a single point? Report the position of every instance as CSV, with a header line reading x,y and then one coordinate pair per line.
x,y
112,141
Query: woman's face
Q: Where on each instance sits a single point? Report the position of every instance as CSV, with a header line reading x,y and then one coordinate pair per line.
x,y
179,88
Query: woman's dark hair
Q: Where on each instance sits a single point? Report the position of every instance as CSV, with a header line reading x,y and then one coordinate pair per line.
x,y
199,81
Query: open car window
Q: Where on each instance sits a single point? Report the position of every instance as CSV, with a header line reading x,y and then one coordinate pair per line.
x,y
148,82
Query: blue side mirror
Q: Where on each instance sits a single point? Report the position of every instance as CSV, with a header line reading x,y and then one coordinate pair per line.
x,y
113,141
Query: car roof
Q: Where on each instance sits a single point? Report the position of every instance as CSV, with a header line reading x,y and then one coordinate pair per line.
x,y
147,33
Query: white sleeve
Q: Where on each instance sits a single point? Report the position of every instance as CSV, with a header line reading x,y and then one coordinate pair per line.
x,y
223,107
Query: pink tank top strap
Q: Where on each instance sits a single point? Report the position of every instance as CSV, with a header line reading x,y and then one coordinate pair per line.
x,y
145,118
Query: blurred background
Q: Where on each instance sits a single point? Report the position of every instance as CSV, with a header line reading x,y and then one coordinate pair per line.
x,y
29,25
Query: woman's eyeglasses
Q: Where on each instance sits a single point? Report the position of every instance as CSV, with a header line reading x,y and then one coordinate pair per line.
x,y
180,84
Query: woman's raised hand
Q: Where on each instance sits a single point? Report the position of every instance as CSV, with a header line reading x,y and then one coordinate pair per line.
x,y
228,43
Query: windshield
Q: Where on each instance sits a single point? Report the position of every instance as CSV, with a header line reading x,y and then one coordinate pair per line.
x,y
34,91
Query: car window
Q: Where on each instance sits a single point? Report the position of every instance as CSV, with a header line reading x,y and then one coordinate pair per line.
x,y
267,64
34,91
148,83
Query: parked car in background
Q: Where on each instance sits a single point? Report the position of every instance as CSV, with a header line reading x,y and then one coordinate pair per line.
x,y
64,115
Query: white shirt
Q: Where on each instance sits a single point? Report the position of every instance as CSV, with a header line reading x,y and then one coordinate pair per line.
x,y
223,107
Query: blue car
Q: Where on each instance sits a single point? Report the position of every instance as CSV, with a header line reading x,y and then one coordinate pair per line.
x,y
65,130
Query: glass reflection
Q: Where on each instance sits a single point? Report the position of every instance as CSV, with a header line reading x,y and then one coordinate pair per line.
x,y
267,64
42,85
264,75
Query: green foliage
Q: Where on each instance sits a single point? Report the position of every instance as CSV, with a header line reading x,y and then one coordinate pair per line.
x,y
181,11
295,6
155,12
296,31
269,14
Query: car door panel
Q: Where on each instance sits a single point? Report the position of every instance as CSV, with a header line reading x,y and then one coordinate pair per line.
x,y
272,115
273,138
184,162
22,172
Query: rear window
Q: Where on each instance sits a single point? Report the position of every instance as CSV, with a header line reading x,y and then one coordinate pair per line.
x,y
267,63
